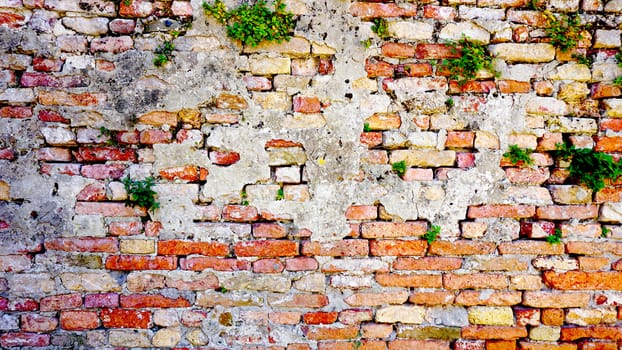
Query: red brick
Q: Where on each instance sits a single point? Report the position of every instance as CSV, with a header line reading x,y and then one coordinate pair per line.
x,y
586,345
500,344
501,211
460,139
280,143
123,318
101,300
608,144
442,13
125,228
61,98
432,298
531,247
202,263
78,320
465,160
398,50
326,66
605,90
472,86
33,79
60,302
555,299
371,138
54,154
18,112
475,281
320,317
301,263
269,230
398,248
597,332
493,332
567,212
103,171
133,262
427,263
127,137
403,344
368,10
15,339
525,317
154,136
328,333
141,301
514,87
25,304
240,213
224,157
113,45
92,192
409,280
189,173
108,209
268,266
475,297
538,229
376,69
267,248
348,247
307,104
7,154
11,20
47,64
461,247
362,212
52,116
435,51
84,244
413,70
38,323
579,280
176,247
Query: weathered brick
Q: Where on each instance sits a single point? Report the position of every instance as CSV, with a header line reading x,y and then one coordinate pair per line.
x,y
103,171
38,323
393,229
320,317
461,247
60,302
350,247
108,209
140,301
501,211
567,212
403,344
472,297
101,300
409,280
598,332
86,244
374,299
398,247
19,112
328,333
374,10
267,248
301,264
298,300
15,339
176,247
531,247
124,318
493,332
427,263
475,281
555,299
218,264
578,280
78,320
132,262
268,266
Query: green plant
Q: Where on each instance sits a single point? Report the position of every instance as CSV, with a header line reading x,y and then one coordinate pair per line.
x,y
566,31
604,232
591,168
111,135
399,167
252,24
432,233
222,289
127,2
555,238
473,58
583,59
366,43
619,58
449,102
618,81
243,197
366,127
140,193
517,155
164,53
535,5
380,27
280,195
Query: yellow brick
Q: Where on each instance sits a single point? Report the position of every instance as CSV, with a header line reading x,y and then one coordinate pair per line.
x,y
137,246
5,190
494,316
545,333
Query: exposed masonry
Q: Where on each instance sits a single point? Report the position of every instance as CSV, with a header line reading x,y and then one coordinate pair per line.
x,y
281,225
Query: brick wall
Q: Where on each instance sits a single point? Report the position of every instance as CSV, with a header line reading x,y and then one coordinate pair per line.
x,y
281,224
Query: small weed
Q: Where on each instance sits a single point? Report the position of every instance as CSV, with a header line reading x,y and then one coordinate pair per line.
x,y
619,59
432,233
582,59
127,2
566,31
357,344
473,58
518,155
366,43
243,197
555,237
112,139
164,53
618,81
222,289
280,195
380,27
589,166
140,193
604,232
399,168
252,24
366,127
449,102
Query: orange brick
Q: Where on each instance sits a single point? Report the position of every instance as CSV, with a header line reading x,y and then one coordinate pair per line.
x,y
555,299
531,247
141,301
175,247
398,50
268,248
403,344
362,212
460,139
493,332
398,248
291,318
514,87
596,332
435,51
330,333
502,298
409,280
393,229
462,247
593,248
374,299
527,176
611,124
546,346
384,121
427,263
501,211
84,244
78,320
500,344
376,69
413,70
375,330
320,317
432,298
348,247
579,280
202,263
123,318
134,262
587,345
552,317
475,281
371,138
604,90
608,144
589,263
567,212
268,266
